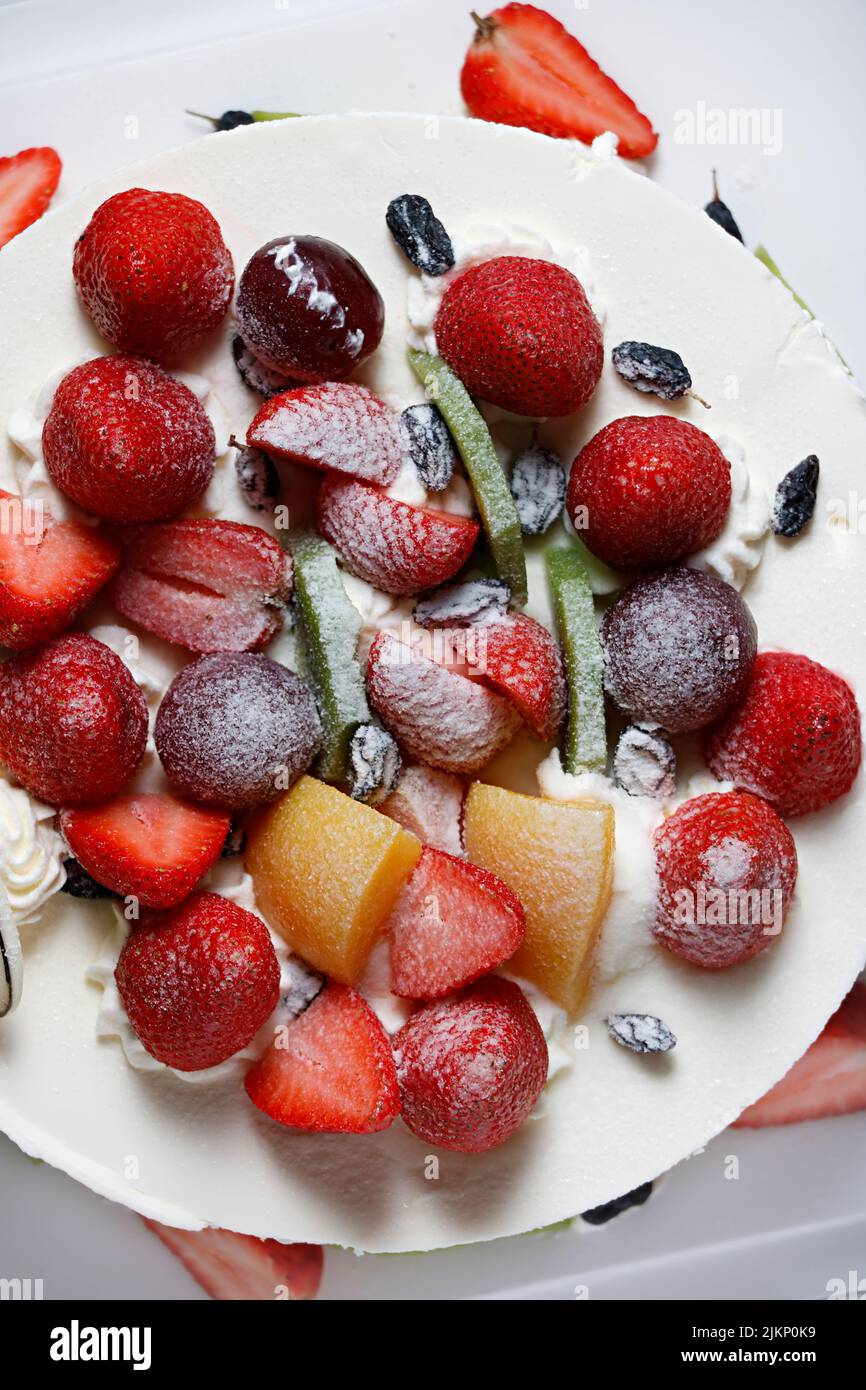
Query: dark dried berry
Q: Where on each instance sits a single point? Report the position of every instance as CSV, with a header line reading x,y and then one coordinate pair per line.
x,y
538,489
464,605
302,986
645,763
656,369
641,1032
721,213
794,502
258,479
419,233
429,444
254,374
235,843
230,120
79,884
374,764
597,1216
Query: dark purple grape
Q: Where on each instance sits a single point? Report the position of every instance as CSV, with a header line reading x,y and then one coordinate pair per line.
x,y
679,649
235,729
307,309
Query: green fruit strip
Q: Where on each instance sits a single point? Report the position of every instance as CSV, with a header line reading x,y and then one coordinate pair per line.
x,y
329,628
489,483
585,739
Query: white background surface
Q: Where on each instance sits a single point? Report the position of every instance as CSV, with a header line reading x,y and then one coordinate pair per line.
x,y
107,83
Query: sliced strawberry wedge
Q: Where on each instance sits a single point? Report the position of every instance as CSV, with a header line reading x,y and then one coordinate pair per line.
x,y
234,1267
49,571
522,659
27,184
452,923
330,1070
394,546
438,716
151,846
338,426
524,68
829,1079
211,586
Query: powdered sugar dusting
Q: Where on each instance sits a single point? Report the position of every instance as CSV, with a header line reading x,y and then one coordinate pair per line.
x,y
438,717
338,425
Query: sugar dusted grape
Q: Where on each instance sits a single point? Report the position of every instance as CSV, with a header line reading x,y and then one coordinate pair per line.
x,y
236,729
679,649
308,310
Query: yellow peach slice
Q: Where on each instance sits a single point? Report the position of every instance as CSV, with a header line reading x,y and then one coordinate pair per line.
x,y
327,871
558,858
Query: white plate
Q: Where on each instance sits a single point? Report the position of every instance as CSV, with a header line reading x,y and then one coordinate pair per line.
x,y
190,1155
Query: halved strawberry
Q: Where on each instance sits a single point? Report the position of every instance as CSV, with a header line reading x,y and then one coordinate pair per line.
x,y
149,846
524,68
330,1070
337,425
211,586
49,570
438,716
522,659
230,1266
452,923
829,1079
394,546
27,184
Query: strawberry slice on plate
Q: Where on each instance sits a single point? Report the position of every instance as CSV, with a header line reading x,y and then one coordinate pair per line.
x,y
27,184
230,1266
330,1070
209,585
393,545
149,846
49,571
337,426
829,1079
524,68
452,923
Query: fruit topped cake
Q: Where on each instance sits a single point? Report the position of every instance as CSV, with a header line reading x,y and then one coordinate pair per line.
x,y
430,726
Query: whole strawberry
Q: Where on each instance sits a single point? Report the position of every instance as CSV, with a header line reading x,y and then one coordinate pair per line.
x,y
73,722
471,1067
153,272
793,739
648,490
727,868
127,442
197,983
520,333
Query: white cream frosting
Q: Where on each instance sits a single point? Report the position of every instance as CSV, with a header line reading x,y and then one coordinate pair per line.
x,y
31,852
738,548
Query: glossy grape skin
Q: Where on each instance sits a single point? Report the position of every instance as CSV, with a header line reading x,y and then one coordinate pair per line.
x,y
308,309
